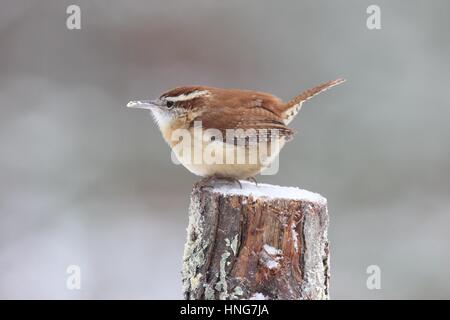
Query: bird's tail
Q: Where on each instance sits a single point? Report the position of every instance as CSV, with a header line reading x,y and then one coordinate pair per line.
x,y
293,106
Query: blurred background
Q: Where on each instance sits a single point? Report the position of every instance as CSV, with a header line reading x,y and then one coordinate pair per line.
x,y
85,181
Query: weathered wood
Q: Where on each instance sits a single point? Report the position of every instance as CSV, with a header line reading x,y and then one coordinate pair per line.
x,y
258,242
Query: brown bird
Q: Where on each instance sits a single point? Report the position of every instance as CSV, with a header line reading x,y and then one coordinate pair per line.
x,y
226,133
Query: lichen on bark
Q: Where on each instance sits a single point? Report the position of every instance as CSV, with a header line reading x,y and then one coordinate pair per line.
x,y
241,246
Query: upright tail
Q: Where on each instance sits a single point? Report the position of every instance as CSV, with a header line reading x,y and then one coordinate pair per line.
x,y
294,105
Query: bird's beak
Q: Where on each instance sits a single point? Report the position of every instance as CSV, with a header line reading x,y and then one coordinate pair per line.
x,y
144,104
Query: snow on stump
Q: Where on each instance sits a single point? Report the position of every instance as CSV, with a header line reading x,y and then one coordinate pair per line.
x,y
258,242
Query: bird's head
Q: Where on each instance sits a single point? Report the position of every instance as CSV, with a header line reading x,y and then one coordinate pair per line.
x,y
173,104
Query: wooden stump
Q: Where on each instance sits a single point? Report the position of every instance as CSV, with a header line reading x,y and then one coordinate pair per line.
x,y
258,242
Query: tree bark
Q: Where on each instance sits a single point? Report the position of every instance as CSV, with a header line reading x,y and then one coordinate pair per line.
x,y
258,242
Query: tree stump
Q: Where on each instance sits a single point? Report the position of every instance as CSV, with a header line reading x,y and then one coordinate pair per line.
x,y
258,242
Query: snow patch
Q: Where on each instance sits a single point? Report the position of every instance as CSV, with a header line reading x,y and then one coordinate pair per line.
x,y
271,264
270,257
271,250
258,296
269,191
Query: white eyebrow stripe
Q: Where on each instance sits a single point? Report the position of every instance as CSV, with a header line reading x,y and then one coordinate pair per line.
x,y
190,96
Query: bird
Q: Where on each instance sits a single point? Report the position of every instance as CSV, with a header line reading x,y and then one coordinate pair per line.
x,y
228,134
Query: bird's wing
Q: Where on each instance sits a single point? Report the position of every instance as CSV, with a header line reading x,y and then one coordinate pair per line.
x,y
254,115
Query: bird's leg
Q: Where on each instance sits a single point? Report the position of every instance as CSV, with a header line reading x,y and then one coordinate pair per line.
x,y
206,182
253,179
233,180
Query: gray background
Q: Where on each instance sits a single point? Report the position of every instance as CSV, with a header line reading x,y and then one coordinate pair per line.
x,y
85,181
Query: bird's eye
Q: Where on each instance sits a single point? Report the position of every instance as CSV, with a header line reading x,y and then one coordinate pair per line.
x,y
169,104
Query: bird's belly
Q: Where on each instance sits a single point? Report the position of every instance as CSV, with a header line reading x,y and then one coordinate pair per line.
x,y
224,170
226,160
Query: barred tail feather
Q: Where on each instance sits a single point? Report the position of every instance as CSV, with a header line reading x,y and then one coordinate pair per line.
x,y
293,106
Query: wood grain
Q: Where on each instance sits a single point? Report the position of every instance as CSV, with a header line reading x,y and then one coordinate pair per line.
x,y
241,246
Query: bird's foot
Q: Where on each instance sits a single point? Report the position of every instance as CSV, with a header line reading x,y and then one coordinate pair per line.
x,y
252,179
232,180
209,181
206,182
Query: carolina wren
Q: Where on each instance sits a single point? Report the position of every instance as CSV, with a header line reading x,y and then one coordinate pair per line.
x,y
258,120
